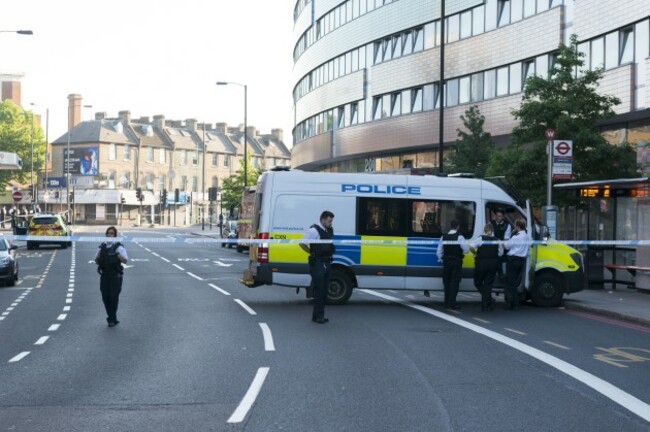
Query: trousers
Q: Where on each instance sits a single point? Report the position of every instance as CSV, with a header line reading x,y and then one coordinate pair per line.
x,y
484,274
515,267
110,285
320,271
451,275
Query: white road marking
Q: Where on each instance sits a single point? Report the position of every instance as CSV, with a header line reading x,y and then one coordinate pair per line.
x,y
178,267
70,289
54,327
603,387
19,357
164,259
249,398
41,340
155,254
5,313
2,318
221,264
69,295
14,304
66,308
195,276
10,308
222,291
246,307
515,331
481,320
557,345
268,338
68,300
61,317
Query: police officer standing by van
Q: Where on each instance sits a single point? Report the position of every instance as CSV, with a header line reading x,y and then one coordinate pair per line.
x,y
487,261
452,256
109,259
320,262
517,246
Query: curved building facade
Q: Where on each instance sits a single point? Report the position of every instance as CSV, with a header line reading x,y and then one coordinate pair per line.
x,y
367,72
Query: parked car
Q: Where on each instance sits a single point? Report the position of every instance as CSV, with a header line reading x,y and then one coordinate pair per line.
x,y
8,263
50,225
229,232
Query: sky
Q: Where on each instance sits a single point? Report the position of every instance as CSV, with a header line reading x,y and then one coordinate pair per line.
x,y
153,57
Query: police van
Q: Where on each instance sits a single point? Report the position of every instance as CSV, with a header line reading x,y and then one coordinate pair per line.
x,y
387,228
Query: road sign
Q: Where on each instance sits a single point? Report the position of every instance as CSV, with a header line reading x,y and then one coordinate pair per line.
x,y
17,196
549,134
562,148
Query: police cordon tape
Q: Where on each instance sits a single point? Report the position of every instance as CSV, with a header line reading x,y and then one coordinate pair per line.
x,y
198,240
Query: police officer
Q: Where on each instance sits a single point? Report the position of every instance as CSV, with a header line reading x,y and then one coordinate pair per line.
x,y
517,246
487,262
502,231
110,257
320,262
451,256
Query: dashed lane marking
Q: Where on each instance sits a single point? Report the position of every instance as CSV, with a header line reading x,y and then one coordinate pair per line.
x,y
41,340
19,357
178,267
54,327
250,396
557,345
195,276
268,338
481,320
515,331
222,291
246,307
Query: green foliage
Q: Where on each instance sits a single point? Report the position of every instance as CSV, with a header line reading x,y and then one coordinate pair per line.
x,y
16,137
231,187
571,105
473,148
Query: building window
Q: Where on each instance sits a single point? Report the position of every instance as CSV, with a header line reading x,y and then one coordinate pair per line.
x,y
542,5
195,183
183,157
184,183
490,84
112,152
162,156
478,20
515,78
379,52
427,97
453,28
226,160
215,159
127,152
464,90
626,38
354,113
406,102
397,46
466,24
528,70
418,39
503,13
516,10
502,81
162,182
416,99
395,104
611,50
150,154
529,8
341,117
477,87
451,88
598,53
429,35
376,108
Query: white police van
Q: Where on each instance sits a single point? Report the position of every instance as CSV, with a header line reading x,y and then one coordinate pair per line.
x,y
387,228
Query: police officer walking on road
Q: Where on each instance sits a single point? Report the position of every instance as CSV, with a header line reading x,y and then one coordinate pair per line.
x,y
487,262
320,262
451,256
517,246
109,258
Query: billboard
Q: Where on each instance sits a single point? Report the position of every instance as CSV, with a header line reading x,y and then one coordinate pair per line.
x,y
81,161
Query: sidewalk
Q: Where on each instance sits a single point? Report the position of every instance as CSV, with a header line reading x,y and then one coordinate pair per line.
x,y
622,303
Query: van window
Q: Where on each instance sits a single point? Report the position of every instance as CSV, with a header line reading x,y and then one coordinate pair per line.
x,y
382,217
432,218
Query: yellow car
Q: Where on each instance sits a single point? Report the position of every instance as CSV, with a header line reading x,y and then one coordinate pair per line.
x,y
48,225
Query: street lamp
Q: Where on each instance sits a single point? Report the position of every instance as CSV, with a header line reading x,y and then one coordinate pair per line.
x,y
221,83
31,175
441,90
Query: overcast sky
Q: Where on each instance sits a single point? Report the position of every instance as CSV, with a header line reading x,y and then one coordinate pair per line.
x,y
153,57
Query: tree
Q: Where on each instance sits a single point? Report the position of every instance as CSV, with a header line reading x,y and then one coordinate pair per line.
x,y
473,148
231,187
569,103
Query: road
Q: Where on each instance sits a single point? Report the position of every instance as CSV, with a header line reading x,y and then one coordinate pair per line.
x,y
196,350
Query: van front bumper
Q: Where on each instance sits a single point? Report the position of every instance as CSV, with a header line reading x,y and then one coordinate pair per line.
x,y
575,281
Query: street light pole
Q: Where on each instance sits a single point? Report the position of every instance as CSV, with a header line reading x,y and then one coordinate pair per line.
x,y
47,142
245,126
441,90
20,32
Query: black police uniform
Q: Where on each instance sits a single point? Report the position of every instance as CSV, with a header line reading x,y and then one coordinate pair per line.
x,y
452,266
320,269
110,282
487,263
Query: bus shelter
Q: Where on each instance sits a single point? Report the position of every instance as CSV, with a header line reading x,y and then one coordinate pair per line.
x,y
617,210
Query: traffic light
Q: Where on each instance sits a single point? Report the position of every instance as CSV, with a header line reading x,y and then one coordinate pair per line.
x,y
138,194
71,196
163,197
56,194
122,200
177,195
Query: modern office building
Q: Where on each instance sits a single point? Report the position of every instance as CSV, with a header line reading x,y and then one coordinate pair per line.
x,y
367,72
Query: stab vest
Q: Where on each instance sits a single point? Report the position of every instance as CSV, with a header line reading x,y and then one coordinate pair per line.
x,y
451,250
108,260
486,251
499,229
323,250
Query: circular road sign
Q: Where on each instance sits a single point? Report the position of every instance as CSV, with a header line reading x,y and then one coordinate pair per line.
x,y
17,196
549,134
562,148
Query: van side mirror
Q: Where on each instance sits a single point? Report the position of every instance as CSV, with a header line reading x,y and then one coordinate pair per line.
x,y
545,233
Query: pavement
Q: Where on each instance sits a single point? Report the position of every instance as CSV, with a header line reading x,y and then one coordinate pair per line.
x,y
622,303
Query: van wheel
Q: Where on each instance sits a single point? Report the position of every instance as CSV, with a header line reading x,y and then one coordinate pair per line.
x,y
547,290
340,288
64,245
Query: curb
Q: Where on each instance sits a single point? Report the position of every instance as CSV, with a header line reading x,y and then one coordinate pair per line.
x,y
609,313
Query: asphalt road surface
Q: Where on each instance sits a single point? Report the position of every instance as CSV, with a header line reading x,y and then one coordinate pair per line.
x,y
196,350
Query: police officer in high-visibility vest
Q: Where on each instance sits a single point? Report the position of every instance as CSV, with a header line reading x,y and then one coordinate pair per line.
x,y
487,261
320,262
452,256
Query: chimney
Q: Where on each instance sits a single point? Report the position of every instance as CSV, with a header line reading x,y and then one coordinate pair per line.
x,y
207,126
74,110
191,124
144,120
100,115
11,91
221,127
278,134
125,116
159,121
250,130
